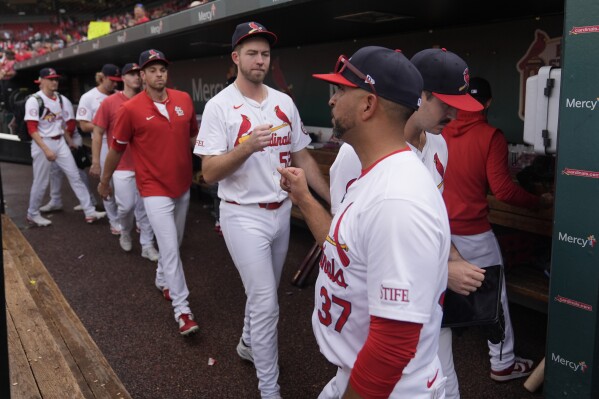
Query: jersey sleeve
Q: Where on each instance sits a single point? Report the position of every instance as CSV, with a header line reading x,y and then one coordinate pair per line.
x,y
299,136
404,251
32,110
67,109
101,118
84,109
122,131
212,135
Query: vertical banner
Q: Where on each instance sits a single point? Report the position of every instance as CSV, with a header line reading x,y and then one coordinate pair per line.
x,y
572,355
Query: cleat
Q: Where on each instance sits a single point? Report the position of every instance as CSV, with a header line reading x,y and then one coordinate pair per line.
x,y
50,207
94,217
125,242
38,221
166,293
244,351
186,324
78,208
521,368
115,229
150,253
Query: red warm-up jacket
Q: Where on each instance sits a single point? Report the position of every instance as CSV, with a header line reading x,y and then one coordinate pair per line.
x,y
477,163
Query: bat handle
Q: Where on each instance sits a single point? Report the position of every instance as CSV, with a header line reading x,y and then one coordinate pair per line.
x,y
535,379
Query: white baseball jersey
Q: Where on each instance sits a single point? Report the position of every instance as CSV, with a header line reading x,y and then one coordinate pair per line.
x,y
229,119
53,119
386,256
434,156
89,104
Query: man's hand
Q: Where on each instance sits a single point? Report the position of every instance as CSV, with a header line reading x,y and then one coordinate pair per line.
x,y
95,170
293,180
259,138
464,277
104,190
50,155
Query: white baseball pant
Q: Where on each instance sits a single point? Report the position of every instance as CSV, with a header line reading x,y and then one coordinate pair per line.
x,y
56,178
445,354
167,217
110,203
41,175
257,240
483,250
130,206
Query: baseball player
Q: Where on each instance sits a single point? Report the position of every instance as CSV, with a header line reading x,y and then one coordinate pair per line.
x,y
88,106
50,145
159,126
383,274
126,195
247,131
445,77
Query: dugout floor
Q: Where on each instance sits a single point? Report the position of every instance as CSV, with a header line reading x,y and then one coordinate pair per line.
x,y
113,294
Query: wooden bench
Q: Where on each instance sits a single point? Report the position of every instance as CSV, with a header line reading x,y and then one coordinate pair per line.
x,y
51,354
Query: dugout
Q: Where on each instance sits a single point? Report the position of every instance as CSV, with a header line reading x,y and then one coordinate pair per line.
x,y
506,42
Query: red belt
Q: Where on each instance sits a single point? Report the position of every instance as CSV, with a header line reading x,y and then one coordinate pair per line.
x,y
54,137
265,205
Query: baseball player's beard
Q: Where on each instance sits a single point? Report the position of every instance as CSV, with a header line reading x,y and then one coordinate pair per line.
x,y
340,127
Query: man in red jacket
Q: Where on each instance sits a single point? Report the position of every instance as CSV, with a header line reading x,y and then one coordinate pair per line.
x,y
478,154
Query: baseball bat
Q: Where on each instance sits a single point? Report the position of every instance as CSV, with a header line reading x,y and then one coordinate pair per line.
x,y
535,379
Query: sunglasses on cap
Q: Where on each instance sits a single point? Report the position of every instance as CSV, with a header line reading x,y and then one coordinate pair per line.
x,y
343,63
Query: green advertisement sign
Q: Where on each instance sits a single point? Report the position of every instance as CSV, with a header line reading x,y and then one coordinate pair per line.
x,y
572,354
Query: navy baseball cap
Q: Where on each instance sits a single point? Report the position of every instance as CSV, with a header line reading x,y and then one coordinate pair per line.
x,y
446,75
246,30
112,72
379,70
480,89
47,73
130,67
151,56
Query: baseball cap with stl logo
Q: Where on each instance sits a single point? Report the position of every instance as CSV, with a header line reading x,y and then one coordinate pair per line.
x,y
112,72
381,71
246,30
446,76
130,67
151,56
47,73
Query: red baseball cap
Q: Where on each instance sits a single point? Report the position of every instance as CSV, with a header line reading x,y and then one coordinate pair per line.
x,y
47,73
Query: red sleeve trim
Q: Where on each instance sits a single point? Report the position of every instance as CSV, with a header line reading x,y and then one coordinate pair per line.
x,y
71,125
32,127
390,346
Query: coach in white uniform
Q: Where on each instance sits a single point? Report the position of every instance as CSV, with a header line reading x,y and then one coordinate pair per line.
x,y
383,274
49,146
247,131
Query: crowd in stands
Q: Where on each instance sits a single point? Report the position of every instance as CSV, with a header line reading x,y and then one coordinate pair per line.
x,y
29,40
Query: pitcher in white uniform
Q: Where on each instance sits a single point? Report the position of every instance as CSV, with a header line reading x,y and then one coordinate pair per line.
x,y
247,131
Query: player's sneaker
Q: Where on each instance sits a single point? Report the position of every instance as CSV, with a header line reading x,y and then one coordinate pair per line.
x,y
115,229
50,207
38,220
166,293
150,253
186,324
520,368
78,208
125,242
94,217
244,351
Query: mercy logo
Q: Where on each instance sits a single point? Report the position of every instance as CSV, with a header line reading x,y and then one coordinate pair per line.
x,y
583,242
203,92
589,104
204,16
580,366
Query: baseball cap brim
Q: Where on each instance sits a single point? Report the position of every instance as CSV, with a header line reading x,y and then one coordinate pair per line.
x,y
269,36
115,78
161,60
46,77
335,78
463,102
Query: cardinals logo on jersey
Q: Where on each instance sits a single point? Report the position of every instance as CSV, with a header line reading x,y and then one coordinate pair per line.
x,y
244,130
50,116
282,116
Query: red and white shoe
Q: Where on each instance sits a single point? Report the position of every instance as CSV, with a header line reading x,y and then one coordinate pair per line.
x,y
94,217
521,368
186,324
